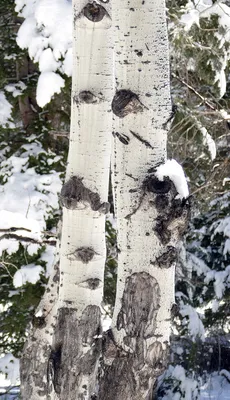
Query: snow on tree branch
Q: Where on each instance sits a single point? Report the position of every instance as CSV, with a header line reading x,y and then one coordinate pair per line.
x,y
47,34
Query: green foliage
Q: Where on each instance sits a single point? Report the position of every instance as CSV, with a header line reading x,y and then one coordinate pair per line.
x,y
17,305
208,240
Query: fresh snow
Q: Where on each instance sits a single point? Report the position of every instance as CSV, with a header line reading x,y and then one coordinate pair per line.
x,y
32,195
209,142
27,273
49,83
27,200
193,11
9,365
5,111
23,224
174,171
47,34
16,89
215,386
193,321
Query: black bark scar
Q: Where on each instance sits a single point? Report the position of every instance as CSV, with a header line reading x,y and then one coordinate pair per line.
x,y
126,102
94,12
74,191
122,137
138,137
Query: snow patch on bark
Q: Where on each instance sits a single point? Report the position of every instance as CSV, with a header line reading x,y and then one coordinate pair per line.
x,y
174,171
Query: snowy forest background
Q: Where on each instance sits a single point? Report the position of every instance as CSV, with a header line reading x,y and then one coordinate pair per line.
x,y
35,85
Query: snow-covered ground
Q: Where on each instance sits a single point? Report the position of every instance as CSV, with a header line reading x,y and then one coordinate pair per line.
x,y
217,387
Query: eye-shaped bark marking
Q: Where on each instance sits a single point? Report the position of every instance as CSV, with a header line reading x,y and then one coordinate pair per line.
x,y
126,102
94,12
85,254
93,283
74,192
123,138
87,97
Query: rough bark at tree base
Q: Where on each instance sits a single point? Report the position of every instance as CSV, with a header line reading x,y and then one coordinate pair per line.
x,y
76,348
130,376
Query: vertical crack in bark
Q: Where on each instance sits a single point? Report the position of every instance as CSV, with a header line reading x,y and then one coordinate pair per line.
x,y
54,367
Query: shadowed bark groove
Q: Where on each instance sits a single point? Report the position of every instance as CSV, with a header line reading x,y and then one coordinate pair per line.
x,y
75,352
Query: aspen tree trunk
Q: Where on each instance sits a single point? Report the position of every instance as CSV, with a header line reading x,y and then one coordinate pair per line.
x,y
76,346
149,218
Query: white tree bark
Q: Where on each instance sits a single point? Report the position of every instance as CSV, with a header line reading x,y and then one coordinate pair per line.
x,y
149,218
76,346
